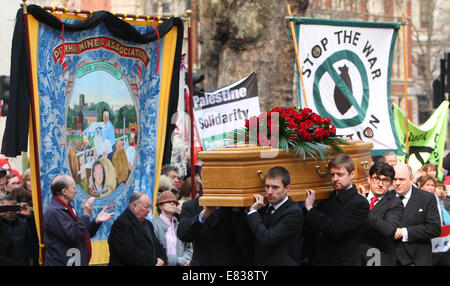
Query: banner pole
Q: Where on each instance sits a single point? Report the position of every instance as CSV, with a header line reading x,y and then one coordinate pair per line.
x,y
405,73
191,101
294,39
34,132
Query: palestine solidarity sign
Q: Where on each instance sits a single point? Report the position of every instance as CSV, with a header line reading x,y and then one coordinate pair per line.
x,y
346,75
219,112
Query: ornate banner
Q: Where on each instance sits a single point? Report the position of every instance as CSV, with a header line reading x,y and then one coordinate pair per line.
x,y
104,93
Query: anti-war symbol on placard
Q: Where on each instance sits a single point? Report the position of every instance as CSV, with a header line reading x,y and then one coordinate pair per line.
x,y
341,101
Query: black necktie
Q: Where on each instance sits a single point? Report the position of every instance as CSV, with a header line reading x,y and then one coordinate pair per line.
x,y
267,215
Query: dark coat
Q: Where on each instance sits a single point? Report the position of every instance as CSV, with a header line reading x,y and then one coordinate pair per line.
x,y
333,229
63,232
131,244
276,236
6,247
219,240
379,230
421,219
26,245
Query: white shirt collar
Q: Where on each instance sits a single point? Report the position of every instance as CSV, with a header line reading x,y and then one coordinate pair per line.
x,y
408,193
370,195
280,203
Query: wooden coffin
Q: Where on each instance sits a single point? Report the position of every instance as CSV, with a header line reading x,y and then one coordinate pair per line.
x,y
232,175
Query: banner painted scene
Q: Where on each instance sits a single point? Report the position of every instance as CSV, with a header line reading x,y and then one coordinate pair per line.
x,y
102,106
346,75
427,141
220,112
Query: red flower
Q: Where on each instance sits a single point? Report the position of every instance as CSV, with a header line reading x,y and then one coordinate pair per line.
x,y
317,119
319,133
306,112
303,125
333,130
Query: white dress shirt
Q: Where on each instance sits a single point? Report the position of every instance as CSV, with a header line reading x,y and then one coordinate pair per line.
x,y
370,195
275,207
405,201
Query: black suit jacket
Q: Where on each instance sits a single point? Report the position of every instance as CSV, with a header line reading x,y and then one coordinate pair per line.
x,y
219,240
131,244
276,240
421,219
379,230
333,229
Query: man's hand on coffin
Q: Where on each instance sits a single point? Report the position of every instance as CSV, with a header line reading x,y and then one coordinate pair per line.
x,y
309,202
206,212
259,203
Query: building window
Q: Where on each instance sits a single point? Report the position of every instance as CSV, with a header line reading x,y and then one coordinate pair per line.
x,y
425,13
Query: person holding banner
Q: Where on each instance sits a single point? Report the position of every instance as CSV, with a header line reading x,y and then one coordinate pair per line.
x,y
420,221
67,236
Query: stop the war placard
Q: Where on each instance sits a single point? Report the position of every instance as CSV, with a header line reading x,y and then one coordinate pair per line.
x,y
346,69
219,112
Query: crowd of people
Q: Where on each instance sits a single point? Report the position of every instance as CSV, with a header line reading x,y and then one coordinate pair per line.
x,y
391,223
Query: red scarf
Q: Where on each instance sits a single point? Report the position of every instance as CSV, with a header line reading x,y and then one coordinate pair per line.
x,y
86,235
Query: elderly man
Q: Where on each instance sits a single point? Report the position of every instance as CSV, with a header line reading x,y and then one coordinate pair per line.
x,y
391,158
386,212
67,236
333,229
420,221
132,240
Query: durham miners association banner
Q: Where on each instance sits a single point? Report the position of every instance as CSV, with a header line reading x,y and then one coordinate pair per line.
x,y
220,112
103,89
346,75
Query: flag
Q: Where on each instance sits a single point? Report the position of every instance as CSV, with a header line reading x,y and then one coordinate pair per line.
x,y
218,113
442,243
346,71
99,73
427,141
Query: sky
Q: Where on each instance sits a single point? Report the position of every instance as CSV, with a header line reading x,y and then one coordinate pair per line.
x,y
101,86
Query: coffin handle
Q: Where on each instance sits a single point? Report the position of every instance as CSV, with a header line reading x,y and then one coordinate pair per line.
x,y
365,165
320,172
260,174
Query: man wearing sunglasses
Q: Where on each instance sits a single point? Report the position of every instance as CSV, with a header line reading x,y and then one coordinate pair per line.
x,y
386,212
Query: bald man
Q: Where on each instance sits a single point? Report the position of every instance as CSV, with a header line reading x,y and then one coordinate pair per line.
x,y
420,221
66,234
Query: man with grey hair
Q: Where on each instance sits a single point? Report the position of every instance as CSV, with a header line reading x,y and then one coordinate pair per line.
x,y
132,240
391,158
67,236
420,221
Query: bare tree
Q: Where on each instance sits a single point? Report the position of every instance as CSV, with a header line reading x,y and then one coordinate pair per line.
x,y
238,37
431,37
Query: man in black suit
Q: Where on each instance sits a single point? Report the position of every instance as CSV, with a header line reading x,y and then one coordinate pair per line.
x,y
420,221
386,212
132,241
219,235
276,226
333,229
